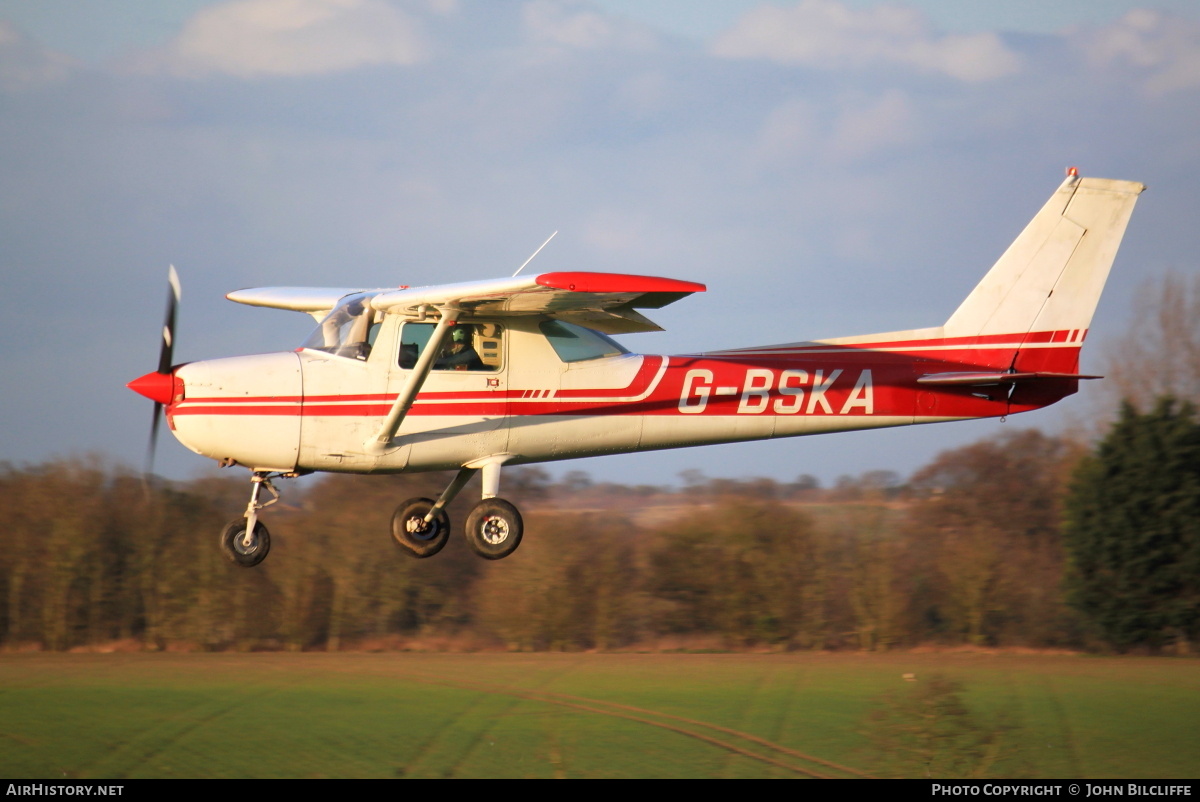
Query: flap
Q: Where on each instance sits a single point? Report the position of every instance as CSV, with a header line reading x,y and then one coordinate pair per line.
x,y
602,301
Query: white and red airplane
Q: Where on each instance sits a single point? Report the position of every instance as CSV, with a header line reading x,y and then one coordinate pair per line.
x,y
478,375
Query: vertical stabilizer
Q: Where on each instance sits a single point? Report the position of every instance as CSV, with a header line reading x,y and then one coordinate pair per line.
x,y
1051,277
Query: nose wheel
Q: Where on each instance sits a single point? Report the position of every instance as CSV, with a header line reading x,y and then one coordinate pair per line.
x,y
242,549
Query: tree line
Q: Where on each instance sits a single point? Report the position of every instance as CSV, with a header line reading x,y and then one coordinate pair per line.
x,y
1024,539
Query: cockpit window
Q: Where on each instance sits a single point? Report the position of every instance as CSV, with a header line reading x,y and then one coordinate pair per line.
x,y
349,330
468,346
576,344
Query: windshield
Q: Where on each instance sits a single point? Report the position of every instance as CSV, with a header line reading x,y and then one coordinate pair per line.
x,y
576,344
348,330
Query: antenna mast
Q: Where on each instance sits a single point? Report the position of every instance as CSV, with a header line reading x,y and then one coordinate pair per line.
x,y
535,253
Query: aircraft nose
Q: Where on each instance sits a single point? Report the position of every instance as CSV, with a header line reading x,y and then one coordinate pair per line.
x,y
156,386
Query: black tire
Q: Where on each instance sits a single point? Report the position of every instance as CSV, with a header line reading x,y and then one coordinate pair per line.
x,y
494,529
238,552
417,537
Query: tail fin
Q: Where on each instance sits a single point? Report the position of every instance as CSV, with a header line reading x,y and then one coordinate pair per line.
x,y
1050,278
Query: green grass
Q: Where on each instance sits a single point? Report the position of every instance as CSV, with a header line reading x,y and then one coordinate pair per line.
x,y
484,715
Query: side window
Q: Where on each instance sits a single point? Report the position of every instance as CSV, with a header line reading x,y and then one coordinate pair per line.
x,y
468,346
413,337
576,344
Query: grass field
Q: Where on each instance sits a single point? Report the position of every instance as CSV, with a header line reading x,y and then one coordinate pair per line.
x,y
552,715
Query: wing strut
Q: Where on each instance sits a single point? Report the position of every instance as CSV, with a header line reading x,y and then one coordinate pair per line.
x,y
416,380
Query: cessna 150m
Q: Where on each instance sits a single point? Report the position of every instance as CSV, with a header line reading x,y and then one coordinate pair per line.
x,y
483,374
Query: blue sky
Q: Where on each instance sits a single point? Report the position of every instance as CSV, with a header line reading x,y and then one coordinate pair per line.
x,y
94,31
827,168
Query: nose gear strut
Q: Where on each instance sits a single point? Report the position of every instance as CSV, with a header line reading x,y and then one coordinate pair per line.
x,y
245,541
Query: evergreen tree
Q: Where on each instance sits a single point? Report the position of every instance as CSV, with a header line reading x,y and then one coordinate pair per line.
x,y
1133,529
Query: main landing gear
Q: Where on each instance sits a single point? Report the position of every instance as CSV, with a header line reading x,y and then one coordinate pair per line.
x,y
494,526
410,529
245,541
420,525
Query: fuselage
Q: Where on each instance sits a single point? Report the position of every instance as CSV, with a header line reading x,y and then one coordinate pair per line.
x,y
316,410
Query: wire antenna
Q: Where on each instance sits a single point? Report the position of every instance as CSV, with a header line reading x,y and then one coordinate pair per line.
x,y
535,253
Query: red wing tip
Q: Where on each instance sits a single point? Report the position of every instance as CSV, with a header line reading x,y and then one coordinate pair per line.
x,y
615,282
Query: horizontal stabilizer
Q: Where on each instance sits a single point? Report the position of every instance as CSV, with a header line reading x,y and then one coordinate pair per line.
x,y
988,379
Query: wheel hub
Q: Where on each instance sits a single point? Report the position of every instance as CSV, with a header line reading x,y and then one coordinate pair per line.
x,y
494,530
419,529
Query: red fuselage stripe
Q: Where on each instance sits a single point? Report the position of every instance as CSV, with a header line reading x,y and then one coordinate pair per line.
x,y
860,380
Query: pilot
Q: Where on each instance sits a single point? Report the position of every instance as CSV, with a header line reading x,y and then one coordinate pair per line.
x,y
459,354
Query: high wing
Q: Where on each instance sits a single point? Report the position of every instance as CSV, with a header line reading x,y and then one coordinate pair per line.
x,y
316,301
606,302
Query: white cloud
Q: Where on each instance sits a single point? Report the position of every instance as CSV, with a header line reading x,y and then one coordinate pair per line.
x,y
573,26
24,65
825,34
788,135
617,230
799,131
871,127
1166,48
258,38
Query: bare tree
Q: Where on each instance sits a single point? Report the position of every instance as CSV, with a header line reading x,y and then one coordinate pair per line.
x,y
1160,354
985,529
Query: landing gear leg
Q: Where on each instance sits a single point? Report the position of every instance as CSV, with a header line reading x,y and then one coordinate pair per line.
x,y
245,541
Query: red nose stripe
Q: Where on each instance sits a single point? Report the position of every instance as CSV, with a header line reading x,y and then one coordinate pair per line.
x,y
156,386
